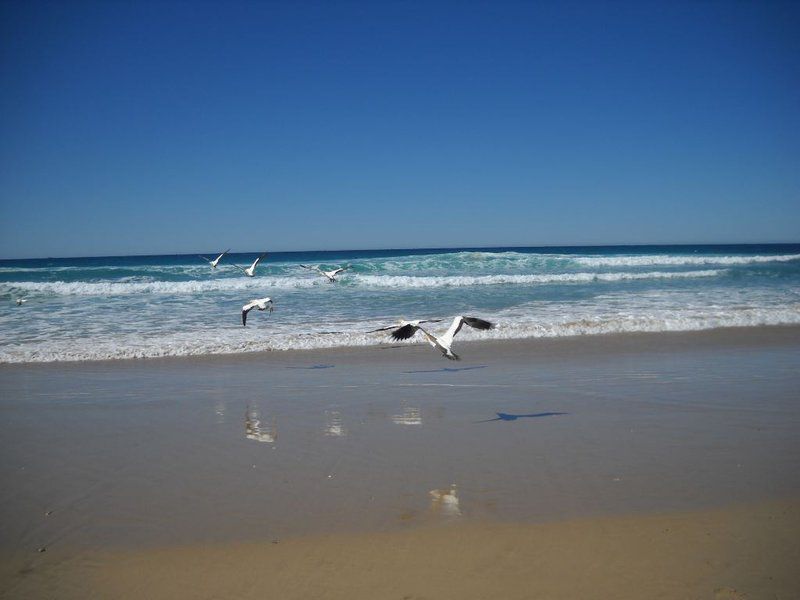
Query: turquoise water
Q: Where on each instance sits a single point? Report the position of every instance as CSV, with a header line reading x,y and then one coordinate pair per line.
x,y
148,306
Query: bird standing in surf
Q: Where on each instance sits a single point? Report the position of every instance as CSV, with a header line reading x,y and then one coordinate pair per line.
x,y
214,262
331,275
260,304
444,342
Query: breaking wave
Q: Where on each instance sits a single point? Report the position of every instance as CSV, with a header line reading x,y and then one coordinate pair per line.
x,y
121,288
230,340
677,260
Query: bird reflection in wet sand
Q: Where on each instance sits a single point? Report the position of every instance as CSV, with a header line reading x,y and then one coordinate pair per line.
x,y
445,502
333,424
253,430
411,416
508,417
220,408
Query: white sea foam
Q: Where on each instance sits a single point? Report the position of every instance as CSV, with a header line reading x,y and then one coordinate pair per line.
x,y
411,281
120,288
518,323
647,260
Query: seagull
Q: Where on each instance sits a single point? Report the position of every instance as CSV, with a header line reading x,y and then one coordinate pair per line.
x,y
331,275
251,270
260,304
403,323
21,301
214,262
443,343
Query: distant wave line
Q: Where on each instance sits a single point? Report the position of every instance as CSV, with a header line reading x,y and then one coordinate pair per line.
x,y
677,260
117,288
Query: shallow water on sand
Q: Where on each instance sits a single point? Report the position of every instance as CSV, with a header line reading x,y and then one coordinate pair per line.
x,y
267,446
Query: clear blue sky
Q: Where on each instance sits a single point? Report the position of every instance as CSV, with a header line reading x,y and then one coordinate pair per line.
x,y
138,127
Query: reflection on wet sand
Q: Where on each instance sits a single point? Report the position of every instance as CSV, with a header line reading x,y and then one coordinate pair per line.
x,y
253,430
445,502
333,424
220,408
412,415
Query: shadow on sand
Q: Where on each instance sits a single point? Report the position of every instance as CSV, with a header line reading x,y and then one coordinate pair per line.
x,y
448,369
509,417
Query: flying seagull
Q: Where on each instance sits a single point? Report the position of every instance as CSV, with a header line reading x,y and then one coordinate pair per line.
x,y
251,270
403,323
214,262
260,304
21,301
442,343
331,275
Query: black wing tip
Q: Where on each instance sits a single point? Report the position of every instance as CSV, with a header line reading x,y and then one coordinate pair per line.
x,y
244,318
478,323
404,332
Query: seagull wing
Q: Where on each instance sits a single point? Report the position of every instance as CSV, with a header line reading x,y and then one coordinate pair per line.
x,y
455,327
436,343
477,323
382,329
205,258
246,309
258,260
221,255
404,332
340,270
315,269
458,323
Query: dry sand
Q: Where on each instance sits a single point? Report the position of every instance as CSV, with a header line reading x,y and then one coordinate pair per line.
x,y
745,552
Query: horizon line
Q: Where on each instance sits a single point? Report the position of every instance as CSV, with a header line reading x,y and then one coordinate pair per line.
x,y
426,248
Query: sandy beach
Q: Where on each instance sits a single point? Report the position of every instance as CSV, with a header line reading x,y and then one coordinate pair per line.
x,y
641,465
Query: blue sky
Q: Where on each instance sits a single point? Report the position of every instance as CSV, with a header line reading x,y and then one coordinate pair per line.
x,y
136,127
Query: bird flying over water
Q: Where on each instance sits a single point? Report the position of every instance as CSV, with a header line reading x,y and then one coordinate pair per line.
x,y
21,301
260,304
251,270
444,342
331,275
214,262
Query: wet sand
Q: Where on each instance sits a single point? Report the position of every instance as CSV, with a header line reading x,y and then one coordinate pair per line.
x,y
389,473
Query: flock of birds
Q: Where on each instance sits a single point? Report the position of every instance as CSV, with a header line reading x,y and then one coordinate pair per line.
x,y
403,331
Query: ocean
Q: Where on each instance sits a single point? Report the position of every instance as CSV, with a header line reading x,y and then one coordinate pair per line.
x,y
177,305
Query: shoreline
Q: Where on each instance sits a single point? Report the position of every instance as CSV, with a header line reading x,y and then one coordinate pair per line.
x,y
762,335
